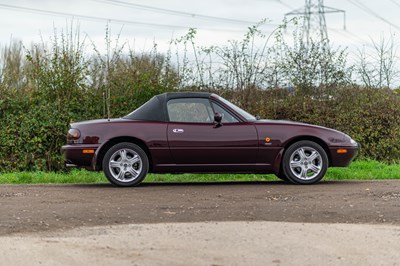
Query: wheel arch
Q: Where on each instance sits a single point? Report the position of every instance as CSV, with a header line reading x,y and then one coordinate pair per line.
x,y
97,160
310,138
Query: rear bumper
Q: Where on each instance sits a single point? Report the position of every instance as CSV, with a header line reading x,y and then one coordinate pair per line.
x,y
74,155
341,159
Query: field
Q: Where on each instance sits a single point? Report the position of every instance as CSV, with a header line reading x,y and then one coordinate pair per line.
x,y
359,170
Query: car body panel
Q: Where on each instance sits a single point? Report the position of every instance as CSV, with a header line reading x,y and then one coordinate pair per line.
x,y
208,144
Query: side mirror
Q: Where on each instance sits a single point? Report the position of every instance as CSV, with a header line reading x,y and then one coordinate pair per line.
x,y
218,119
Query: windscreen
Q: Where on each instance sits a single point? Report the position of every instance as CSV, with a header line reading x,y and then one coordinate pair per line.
x,y
239,110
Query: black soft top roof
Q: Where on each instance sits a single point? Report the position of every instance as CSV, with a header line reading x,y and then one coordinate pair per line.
x,y
155,109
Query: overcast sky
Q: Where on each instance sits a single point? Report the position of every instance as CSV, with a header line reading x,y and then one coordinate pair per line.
x,y
223,20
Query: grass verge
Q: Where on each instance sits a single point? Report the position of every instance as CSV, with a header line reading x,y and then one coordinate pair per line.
x,y
359,170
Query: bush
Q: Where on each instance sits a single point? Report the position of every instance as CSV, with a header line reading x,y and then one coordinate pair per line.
x,y
370,116
61,85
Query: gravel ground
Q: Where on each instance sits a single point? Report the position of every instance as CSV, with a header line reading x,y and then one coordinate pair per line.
x,y
210,243
251,223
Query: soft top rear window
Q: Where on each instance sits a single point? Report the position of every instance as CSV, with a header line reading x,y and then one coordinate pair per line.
x,y
153,110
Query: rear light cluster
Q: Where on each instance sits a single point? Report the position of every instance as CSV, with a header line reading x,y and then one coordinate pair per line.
x,y
73,135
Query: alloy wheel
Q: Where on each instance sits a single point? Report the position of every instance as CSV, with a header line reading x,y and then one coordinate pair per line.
x,y
125,165
306,163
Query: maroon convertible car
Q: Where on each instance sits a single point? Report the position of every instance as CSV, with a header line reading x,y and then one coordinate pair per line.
x,y
189,132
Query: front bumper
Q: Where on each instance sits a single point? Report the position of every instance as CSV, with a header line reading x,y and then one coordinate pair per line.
x,y
341,159
76,156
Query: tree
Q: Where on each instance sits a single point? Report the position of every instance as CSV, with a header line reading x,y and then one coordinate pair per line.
x,y
312,66
377,65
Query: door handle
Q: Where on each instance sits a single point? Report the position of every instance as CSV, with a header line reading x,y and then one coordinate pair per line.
x,y
178,130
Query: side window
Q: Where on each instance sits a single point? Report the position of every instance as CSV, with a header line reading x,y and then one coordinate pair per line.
x,y
190,110
226,116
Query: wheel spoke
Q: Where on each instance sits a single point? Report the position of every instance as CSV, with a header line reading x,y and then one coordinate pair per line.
x,y
115,164
295,164
314,155
316,169
134,160
303,173
122,153
121,175
132,172
302,154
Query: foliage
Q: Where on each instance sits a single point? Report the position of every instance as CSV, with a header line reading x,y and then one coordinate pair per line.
x,y
370,116
358,170
76,176
127,80
377,65
58,84
311,66
238,65
134,79
12,74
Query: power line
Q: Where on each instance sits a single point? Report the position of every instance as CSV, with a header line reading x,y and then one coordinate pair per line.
x,y
110,20
349,35
366,9
173,12
85,17
395,2
284,4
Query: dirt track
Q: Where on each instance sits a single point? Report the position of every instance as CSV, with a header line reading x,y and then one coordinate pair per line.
x,y
38,208
253,223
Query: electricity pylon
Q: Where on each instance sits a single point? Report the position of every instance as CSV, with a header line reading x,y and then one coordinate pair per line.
x,y
314,23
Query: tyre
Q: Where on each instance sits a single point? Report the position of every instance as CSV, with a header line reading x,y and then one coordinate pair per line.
x,y
305,162
282,177
125,164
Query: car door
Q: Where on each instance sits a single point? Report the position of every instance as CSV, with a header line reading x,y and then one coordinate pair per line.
x,y
194,139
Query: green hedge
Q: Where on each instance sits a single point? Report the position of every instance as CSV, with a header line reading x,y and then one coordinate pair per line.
x,y
33,127
42,94
370,116
61,85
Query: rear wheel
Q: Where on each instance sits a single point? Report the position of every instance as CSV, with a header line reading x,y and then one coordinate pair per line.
x,y
125,164
305,162
282,177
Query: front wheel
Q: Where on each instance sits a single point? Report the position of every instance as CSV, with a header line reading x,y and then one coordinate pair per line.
x,y
305,162
125,164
